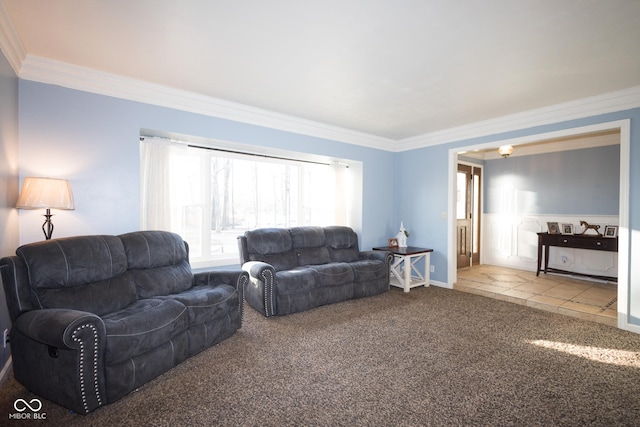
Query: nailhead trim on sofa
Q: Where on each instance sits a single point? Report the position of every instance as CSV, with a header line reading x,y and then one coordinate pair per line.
x,y
95,364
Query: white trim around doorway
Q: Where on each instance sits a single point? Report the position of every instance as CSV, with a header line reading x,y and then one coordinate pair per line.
x,y
624,127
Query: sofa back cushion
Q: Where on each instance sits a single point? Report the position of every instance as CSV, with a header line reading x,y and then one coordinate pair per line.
x,y
87,273
309,245
273,246
342,244
158,262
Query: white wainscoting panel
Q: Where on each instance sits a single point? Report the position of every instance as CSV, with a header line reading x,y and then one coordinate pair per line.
x,y
512,241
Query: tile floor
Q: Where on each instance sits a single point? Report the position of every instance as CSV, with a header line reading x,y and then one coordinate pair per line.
x,y
588,300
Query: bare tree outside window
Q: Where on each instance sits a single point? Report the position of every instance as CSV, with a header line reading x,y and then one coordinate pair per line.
x,y
210,196
216,196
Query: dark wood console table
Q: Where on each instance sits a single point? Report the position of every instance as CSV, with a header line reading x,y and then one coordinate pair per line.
x,y
576,241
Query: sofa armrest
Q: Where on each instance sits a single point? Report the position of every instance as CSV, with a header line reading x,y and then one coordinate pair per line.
x,y
62,328
59,354
385,256
260,291
236,278
257,269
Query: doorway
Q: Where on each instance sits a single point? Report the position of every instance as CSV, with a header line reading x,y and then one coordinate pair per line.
x,y
624,127
468,214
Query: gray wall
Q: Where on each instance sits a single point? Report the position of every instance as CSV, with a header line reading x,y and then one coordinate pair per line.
x,y
585,182
8,180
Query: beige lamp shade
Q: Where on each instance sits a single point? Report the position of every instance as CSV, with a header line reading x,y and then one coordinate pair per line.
x,y
49,193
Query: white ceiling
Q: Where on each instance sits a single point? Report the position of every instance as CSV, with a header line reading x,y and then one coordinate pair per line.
x,y
395,69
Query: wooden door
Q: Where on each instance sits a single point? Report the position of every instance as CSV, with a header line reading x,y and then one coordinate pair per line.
x,y
463,214
468,214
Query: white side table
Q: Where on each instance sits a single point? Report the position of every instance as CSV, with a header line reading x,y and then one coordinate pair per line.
x,y
404,271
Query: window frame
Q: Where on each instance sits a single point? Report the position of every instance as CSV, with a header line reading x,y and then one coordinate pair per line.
x,y
278,156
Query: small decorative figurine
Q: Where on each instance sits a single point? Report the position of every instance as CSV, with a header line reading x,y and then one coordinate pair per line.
x,y
588,227
402,236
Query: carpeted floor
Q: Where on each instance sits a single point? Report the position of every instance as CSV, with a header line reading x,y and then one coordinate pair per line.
x,y
430,357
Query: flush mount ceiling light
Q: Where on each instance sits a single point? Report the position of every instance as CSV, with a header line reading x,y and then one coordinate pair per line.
x,y
505,151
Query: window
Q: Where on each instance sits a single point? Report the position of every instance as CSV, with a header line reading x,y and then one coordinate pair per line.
x,y
210,196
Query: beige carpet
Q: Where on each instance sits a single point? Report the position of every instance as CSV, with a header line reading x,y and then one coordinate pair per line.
x,y
430,357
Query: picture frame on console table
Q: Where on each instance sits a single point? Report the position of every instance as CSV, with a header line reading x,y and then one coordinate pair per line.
x,y
610,231
392,242
567,228
553,228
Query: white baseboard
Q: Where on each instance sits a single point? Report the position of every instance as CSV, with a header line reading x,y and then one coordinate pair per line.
x,y
440,284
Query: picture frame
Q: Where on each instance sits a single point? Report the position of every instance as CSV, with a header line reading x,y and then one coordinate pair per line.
x,y
553,228
611,231
567,228
392,242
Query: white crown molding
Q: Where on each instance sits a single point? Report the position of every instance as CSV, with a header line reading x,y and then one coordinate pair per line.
x,y
10,43
81,78
601,104
45,70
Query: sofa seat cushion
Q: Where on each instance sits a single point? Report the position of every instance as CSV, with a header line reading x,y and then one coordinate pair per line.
x,y
142,326
332,274
207,302
369,270
299,279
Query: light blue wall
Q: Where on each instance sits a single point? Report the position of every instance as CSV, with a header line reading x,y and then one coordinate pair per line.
x,y
93,140
463,158
421,180
422,175
572,182
8,158
8,181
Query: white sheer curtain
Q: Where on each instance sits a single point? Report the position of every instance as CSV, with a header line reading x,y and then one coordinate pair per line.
x,y
209,197
155,181
340,175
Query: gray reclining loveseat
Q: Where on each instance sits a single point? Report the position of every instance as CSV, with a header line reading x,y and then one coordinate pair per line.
x,y
295,269
95,317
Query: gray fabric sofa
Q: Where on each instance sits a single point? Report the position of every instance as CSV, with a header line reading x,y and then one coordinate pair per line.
x,y
95,317
296,269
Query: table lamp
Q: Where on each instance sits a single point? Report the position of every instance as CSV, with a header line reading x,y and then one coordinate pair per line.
x,y
48,193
